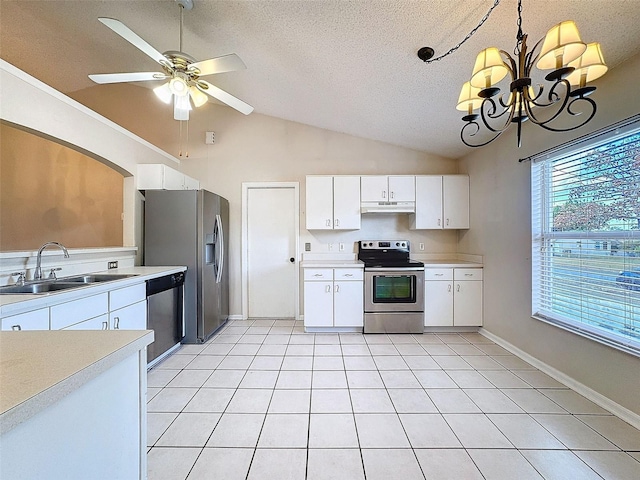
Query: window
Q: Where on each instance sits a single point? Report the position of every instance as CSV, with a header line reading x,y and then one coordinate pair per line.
x,y
586,237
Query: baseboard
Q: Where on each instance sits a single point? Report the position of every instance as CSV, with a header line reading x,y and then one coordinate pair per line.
x,y
236,317
597,398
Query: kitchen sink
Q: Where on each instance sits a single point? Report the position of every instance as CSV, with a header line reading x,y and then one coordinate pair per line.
x,y
42,287
96,278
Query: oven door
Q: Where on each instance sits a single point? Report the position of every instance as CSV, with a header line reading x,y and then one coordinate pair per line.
x,y
394,289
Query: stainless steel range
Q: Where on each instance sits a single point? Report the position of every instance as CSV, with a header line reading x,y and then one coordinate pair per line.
x,y
393,287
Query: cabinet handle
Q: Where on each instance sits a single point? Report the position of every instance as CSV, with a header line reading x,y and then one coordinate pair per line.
x,y
105,325
328,222
116,321
449,288
384,194
447,222
318,275
392,195
327,289
337,222
438,274
468,274
458,288
348,274
337,289
438,222
16,328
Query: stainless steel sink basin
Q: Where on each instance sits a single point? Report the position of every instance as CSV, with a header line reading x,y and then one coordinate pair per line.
x,y
43,287
95,278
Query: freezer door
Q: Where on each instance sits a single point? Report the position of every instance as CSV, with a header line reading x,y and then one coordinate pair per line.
x,y
209,290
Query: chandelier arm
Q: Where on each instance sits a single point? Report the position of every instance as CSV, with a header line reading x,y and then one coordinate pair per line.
x,y
490,113
477,129
573,114
559,109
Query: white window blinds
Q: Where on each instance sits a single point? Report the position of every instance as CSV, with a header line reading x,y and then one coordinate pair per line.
x,y
586,238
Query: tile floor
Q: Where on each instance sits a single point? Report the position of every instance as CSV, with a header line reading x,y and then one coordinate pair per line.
x,y
263,400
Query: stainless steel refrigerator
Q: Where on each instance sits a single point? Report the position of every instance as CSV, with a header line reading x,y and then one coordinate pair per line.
x,y
189,227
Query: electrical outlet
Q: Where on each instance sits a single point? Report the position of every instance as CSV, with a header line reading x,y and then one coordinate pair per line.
x,y
341,247
307,247
111,265
421,246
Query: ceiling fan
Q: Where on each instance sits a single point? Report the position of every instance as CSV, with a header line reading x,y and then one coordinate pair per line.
x,y
182,71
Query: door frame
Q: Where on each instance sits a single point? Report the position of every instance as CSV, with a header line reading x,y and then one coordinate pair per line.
x,y
244,267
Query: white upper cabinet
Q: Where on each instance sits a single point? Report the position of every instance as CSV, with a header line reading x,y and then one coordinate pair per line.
x,y
388,188
332,203
442,202
157,176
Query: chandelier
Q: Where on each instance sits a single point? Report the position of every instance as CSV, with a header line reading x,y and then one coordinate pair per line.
x,y
572,64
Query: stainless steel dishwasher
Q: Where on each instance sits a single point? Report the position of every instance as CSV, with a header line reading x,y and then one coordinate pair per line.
x,y
164,314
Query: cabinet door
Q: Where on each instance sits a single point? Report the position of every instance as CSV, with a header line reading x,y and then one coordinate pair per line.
x,y
374,188
318,304
455,193
173,179
35,320
438,303
96,323
319,202
133,317
191,183
348,299
428,202
467,303
402,188
346,203
122,297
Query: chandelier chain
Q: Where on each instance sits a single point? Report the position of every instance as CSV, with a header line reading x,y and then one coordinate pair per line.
x,y
469,35
520,34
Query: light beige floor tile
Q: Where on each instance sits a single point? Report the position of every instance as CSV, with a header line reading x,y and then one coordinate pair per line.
x,y
171,399
232,330
492,400
190,378
371,400
250,401
635,455
175,362
222,338
524,432
559,465
449,400
411,401
245,349
452,362
538,379
532,401
399,379
218,349
238,362
615,430
284,431
160,377
303,339
266,363
411,349
157,423
352,339
391,464
225,379
421,362
573,402
259,379
290,401
300,350
476,431
573,433
482,362
390,362
428,339
512,362
350,350
438,349
502,464
278,339
293,379
258,330
252,338
447,464
429,431
612,465
297,363
328,363
376,339
272,350
263,322
189,430
434,379
152,392
226,463
364,379
205,362
329,379
401,338
327,350
359,363
380,431
237,430
193,349
164,462
469,379
210,400
384,349
331,401
284,323
492,349
476,338
450,338
281,330
466,349
332,464
504,379
327,339
280,464
332,431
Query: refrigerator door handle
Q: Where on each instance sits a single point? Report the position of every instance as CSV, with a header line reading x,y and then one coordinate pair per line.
x,y
220,244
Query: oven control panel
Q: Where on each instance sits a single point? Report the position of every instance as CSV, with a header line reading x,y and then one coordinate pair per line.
x,y
401,245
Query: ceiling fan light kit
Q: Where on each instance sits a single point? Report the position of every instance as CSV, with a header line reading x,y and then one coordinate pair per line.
x,y
182,71
572,63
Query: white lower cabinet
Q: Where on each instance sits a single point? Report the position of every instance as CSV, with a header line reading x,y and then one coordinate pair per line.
x,y
96,323
35,320
70,313
132,317
453,297
333,297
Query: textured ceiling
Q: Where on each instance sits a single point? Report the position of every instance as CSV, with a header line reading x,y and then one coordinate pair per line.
x,y
346,66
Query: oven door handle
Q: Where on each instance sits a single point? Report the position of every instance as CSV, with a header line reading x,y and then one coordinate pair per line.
x,y
394,269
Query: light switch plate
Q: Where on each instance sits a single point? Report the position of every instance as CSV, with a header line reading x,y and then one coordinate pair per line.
x,y
421,246
341,247
111,265
307,247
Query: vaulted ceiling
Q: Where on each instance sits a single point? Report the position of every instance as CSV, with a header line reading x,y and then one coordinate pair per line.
x,y
346,66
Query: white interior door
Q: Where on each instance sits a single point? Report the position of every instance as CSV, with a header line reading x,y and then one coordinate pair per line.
x,y
271,251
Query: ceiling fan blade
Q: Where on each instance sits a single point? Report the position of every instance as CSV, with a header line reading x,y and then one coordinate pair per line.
x,y
127,77
226,63
126,33
226,98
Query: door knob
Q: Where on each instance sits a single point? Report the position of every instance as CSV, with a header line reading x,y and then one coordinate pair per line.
x,y
292,260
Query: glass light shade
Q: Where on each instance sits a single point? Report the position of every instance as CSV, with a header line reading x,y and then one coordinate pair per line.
x,y
468,98
178,86
489,68
163,92
561,45
181,107
588,67
199,98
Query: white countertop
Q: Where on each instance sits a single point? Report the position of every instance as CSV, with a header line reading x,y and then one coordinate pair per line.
x,y
40,367
334,263
16,304
451,263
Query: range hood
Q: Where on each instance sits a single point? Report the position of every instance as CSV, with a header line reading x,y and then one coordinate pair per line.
x,y
388,207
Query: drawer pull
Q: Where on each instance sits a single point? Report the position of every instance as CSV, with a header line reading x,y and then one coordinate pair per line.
x,y
468,274
439,274
449,288
318,275
16,328
348,274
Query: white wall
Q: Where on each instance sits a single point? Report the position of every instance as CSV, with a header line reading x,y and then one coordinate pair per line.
x,y
501,213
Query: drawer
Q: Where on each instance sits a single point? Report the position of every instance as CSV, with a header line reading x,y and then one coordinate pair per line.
x,y
438,274
467,274
126,296
96,323
348,274
80,310
320,274
35,320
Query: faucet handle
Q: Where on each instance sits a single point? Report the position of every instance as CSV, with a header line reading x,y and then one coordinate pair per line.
x,y
52,273
21,277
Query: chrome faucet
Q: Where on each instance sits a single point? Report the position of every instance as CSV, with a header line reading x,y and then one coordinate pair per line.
x,y
38,273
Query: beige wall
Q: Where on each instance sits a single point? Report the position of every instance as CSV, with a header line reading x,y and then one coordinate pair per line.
x,y
500,212
49,192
